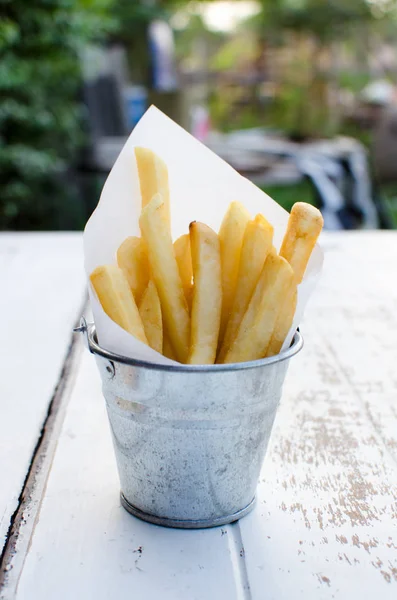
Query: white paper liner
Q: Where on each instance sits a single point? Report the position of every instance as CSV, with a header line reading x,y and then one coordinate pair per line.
x,y
202,186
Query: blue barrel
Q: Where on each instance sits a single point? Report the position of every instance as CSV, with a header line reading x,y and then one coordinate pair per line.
x,y
135,98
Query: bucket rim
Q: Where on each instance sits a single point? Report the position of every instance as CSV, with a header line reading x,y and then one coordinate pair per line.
x,y
94,347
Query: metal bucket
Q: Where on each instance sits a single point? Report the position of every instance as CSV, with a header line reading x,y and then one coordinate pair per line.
x,y
190,440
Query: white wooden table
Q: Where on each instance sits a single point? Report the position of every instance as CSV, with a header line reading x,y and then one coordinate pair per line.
x,y
325,525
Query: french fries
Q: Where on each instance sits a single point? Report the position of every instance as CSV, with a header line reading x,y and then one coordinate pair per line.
x,y
257,243
304,226
257,326
165,273
183,257
207,295
153,178
168,350
132,258
231,236
150,312
284,322
114,294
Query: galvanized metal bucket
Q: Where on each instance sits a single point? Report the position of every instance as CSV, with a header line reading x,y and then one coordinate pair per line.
x,y
190,440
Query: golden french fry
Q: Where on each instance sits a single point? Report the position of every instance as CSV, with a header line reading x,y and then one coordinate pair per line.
x,y
257,243
168,350
150,311
257,326
304,226
115,296
284,322
231,236
132,258
153,178
207,294
183,257
165,273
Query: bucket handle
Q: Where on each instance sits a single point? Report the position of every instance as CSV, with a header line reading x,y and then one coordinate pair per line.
x,y
83,328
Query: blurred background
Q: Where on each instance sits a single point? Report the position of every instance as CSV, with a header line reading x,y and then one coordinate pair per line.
x,y
298,95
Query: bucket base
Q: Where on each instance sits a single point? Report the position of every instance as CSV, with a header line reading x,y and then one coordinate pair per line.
x,y
186,524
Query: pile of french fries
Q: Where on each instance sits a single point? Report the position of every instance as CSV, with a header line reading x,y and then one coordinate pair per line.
x,y
208,297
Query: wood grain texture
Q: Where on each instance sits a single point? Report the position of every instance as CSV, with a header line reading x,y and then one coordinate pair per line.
x,y
325,525
85,545
326,521
42,291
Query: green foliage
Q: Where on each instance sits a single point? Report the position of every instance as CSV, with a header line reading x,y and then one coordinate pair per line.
x,y
194,33
297,25
287,195
234,53
352,81
231,109
324,19
41,120
40,117
389,193
327,20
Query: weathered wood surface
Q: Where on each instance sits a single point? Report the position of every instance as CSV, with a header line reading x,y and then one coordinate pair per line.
x,y
86,546
42,290
327,520
325,525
